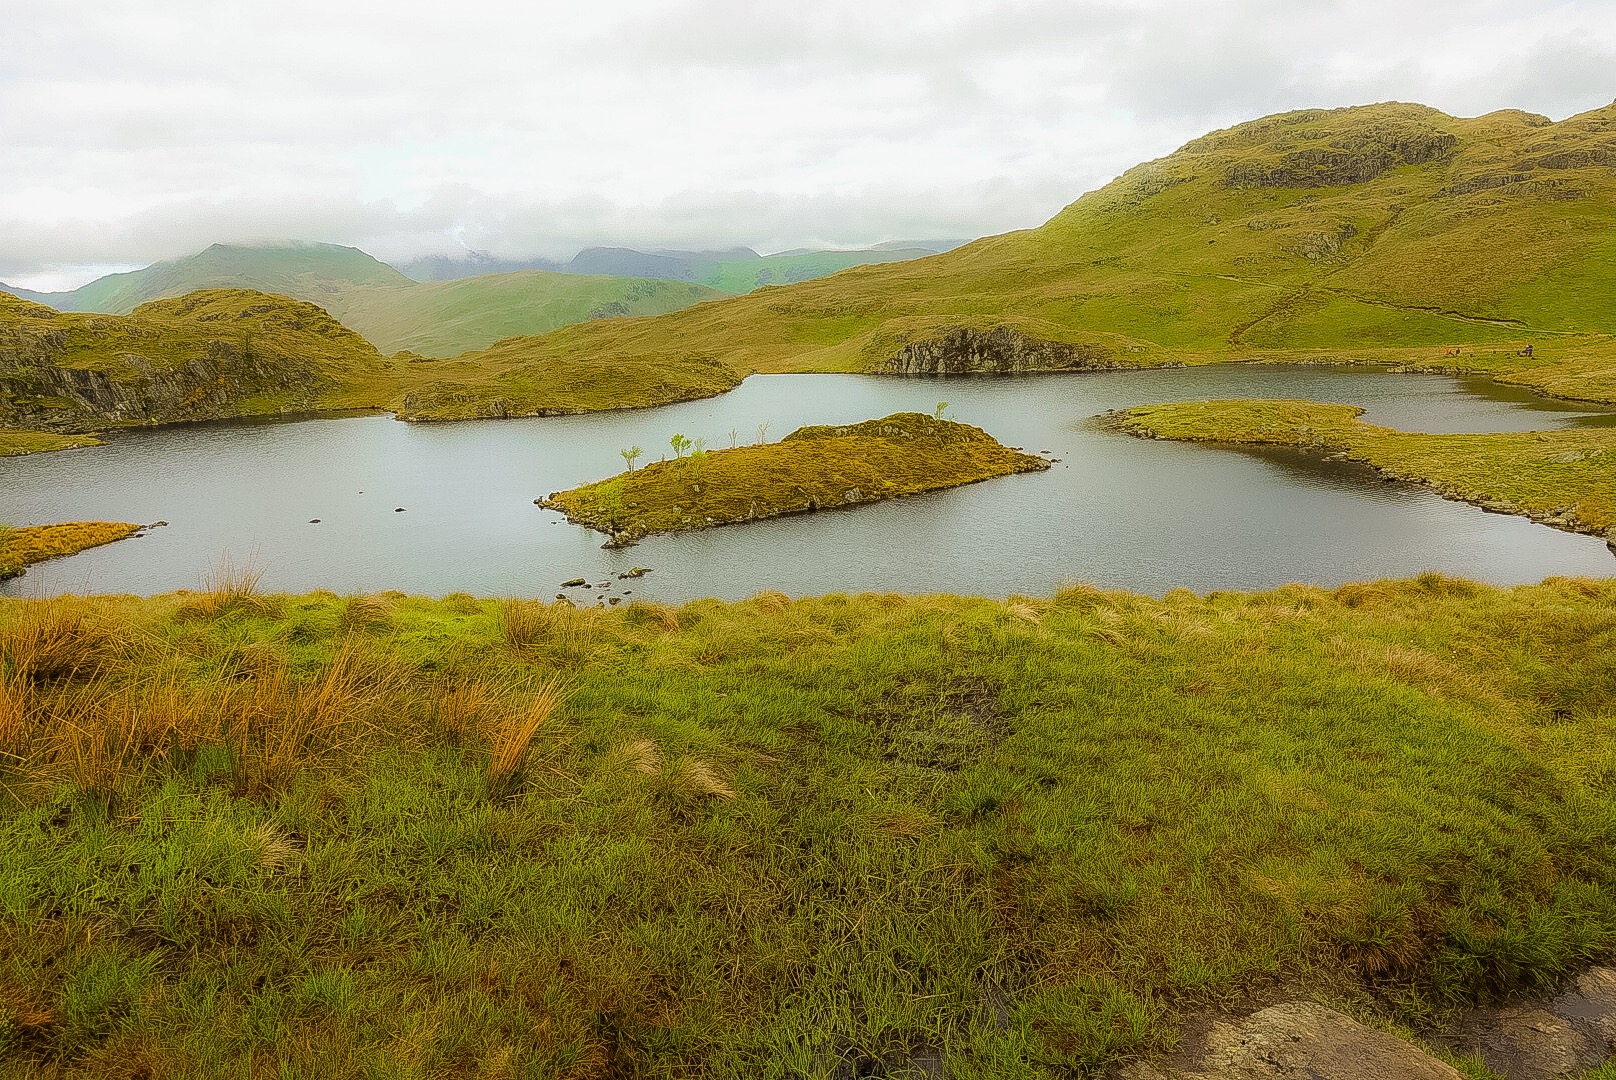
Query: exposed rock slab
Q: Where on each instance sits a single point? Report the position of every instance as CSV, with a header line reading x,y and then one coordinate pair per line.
x,y
1305,1041
1559,1038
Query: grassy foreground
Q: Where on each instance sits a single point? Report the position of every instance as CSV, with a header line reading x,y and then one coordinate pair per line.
x,y
813,468
1563,478
22,545
385,836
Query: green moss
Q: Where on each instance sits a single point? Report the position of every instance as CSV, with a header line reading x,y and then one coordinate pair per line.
x,y
1567,478
813,468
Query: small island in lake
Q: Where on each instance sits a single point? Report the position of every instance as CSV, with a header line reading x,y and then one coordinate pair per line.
x,y
813,468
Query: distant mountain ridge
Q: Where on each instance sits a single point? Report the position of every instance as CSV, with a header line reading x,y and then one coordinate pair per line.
x,y
1381,232
452,313
393,312
734,270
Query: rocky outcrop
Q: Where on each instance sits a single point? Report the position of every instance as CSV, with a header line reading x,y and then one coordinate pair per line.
x,y
207,355
1333,159
1557,1039
962,351
48,396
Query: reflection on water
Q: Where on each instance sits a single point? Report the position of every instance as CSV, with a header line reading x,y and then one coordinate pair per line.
x,y
442,508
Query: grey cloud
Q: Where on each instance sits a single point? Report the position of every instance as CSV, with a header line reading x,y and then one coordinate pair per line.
x,y
136,131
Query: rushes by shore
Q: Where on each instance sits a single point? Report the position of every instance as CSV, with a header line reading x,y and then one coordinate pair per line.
x,y
341,837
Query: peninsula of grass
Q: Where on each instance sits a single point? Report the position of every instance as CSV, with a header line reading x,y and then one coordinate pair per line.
x,y
26,544
813,468
17,441
847,836
1562,478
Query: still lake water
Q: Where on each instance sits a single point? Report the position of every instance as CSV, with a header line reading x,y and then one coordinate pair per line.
x,y
1117,511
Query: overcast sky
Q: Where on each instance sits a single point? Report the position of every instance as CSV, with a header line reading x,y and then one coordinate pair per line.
x,y
145,129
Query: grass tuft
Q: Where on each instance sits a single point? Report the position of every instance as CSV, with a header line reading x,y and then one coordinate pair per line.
x,y
511,737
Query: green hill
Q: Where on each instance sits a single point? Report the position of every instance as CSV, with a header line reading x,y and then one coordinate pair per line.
x,y
436,319
1384,231
444,318
211,354
788,267
308,271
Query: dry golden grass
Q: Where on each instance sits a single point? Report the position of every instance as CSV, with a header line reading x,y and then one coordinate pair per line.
x,y
54,639
525,622
691,779
34,543
462,708
99,734
512,736
367,612
227,588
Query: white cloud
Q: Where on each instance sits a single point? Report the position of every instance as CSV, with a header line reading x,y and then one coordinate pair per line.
x,y
137,131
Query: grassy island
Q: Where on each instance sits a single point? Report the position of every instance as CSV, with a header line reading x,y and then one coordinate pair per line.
x,y
384,836
20,546
1562,478
814,468
17,441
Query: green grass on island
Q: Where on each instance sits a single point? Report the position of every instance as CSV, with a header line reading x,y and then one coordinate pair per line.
x,y
24,544
1565,478
386,836
813,468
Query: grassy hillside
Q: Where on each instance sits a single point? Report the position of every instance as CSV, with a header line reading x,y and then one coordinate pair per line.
x,y
813,468
209,354
307,271
788,267
820,838
395,314
1388,227
445,318
1387,232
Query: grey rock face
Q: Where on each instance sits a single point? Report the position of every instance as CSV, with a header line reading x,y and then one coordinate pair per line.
x,y
961,351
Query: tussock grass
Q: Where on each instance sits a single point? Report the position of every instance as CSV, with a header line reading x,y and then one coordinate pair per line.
x,y
511,736
790,837
227,587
